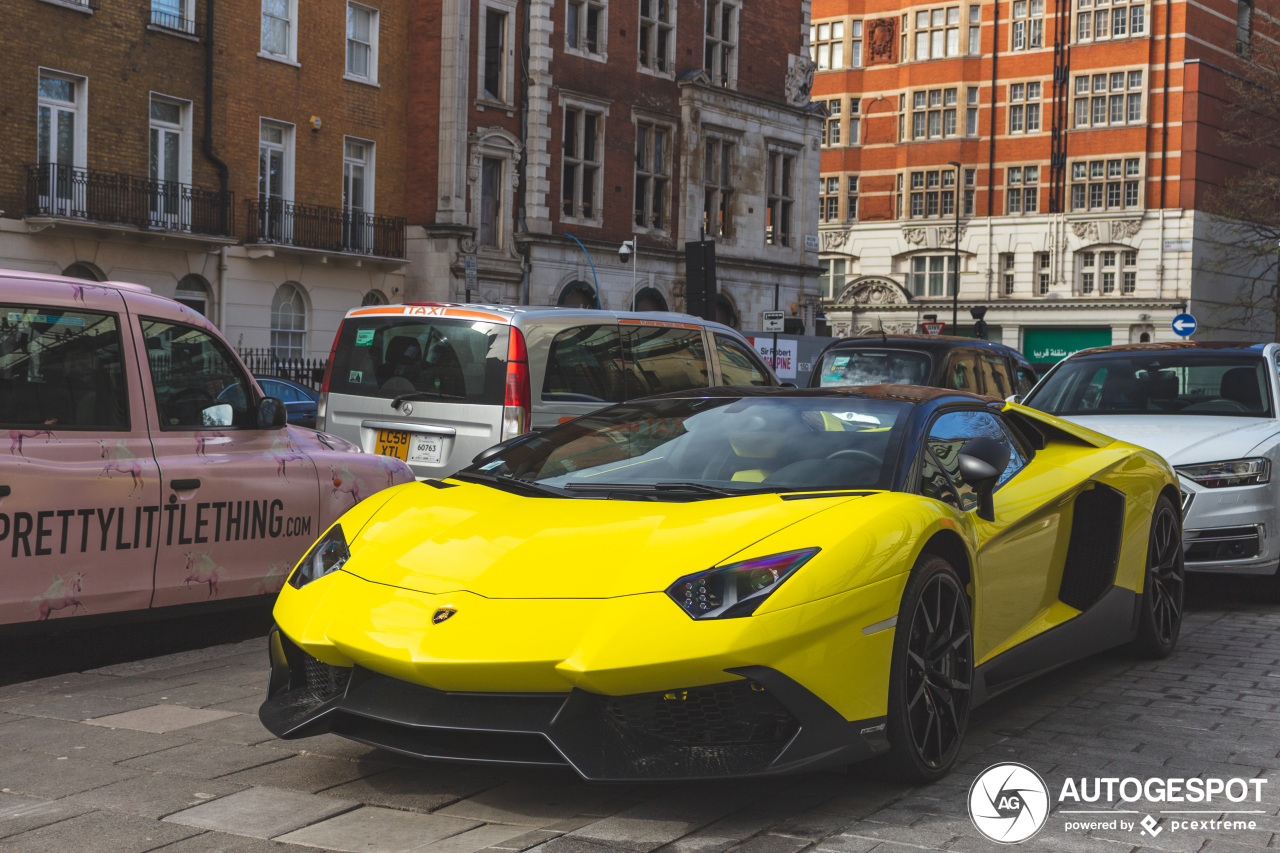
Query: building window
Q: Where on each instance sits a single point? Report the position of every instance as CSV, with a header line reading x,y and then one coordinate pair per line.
x,y
491,202
1043,272
60,135
585,27
933,194
495,55
829,199
833,276
827,45
288,322
1024,107
374,297
831,129
580,186
855,44
1006,273
1121,20
781,199
357,193
1022,189
851,200
169,164
173,15
855,121
717,188
1106,184
933,114
1112,99
1129,272
193,292
275,179
937,33
1028,25
279,35
970,176
971,112
362,42
653,175
932,275
975,30
719,57
657,21
1244,26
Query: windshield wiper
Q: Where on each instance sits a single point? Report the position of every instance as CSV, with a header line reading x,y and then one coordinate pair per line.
x,y
424,395
659,487
510,484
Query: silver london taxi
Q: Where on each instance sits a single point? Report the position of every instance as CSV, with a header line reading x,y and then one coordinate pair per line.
x,y
436,383
144,467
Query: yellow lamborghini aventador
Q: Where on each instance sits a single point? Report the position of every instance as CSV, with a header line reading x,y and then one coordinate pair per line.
x,y
736,582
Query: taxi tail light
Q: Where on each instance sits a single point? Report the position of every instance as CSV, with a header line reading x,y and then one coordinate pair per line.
x,y
517,402
322,405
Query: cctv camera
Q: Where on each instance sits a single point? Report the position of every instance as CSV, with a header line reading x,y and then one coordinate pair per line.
x,y
625,251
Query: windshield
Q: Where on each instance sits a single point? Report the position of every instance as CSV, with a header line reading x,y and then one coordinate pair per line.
x,y
1157,383
735,445
874,367
387,355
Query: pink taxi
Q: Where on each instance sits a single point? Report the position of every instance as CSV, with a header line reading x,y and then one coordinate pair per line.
x,y
144,467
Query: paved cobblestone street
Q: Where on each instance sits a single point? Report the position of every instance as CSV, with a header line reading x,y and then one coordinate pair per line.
x,y
168,754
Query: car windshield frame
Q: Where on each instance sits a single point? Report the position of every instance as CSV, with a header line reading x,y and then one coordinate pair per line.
x,y
1149,368
829,357
701,448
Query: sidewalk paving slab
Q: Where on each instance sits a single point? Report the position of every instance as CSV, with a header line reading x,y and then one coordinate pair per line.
x,y
85,742
245,729
309,774
262,812
531,804
39,775
160,719
198,759
378,830
19,814
423,789
98,832
221,842
76,707
154,795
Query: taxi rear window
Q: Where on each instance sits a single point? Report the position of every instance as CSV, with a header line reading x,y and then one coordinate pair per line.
x,y
460,361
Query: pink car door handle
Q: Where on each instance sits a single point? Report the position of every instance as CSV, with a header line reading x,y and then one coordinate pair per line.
x,y
5,491
184,485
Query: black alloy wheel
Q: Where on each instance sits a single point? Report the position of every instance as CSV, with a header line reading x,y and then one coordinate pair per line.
x,y
1164,584
931,682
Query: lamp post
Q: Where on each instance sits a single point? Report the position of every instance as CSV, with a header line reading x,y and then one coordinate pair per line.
x,y
955,271
594,280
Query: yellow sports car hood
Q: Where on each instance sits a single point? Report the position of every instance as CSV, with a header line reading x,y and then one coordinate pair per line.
x,y
501,545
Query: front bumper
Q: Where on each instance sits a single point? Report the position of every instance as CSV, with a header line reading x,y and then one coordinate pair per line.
x,y
761,723
1230,531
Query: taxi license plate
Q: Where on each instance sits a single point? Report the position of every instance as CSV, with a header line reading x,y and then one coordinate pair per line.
x,y
409,446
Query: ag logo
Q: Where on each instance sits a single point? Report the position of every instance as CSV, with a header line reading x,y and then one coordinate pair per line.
x,y
1008,803
442,615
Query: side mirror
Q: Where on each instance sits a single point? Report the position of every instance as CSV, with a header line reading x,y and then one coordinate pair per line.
x,y
1013,398
271,413
981,461
490,452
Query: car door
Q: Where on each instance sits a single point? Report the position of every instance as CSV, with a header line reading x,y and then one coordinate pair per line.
x,y
739,365
239,503
79,490
1019,567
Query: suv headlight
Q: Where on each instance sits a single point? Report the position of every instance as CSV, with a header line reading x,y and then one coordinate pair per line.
x,y
326,556
1234,472
737,589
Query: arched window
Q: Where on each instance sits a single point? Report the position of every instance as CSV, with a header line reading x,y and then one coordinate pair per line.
x,y
374,297
84,269
724,311
649,299
577,294
193,292
289,322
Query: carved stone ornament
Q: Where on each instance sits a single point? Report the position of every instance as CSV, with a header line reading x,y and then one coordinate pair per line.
x,y
882,40
1087,231
864,329
915,236
834,241
872,291
840,330
467,245
799,79
947,235
1125,229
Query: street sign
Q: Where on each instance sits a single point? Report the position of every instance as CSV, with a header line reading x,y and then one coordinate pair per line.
x,y
771,321
933,328
1184,324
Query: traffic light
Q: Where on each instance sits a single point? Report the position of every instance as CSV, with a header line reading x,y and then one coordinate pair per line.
x,y
977,312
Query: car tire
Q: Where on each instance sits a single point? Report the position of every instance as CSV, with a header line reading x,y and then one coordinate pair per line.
x,y
931,675
1163,585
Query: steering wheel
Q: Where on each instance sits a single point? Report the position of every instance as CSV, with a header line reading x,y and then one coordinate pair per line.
x,y
849,452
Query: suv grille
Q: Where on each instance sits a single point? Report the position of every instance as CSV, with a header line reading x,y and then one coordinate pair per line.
x,y
739,712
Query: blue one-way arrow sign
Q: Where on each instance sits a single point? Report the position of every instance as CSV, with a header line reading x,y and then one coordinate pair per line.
x,y
1184,324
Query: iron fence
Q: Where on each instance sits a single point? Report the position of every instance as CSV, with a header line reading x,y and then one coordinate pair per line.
x,y
333,229
67,192
304,371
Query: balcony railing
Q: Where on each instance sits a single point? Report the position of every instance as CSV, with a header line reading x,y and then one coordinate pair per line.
x,y
330,229
169,20
65,192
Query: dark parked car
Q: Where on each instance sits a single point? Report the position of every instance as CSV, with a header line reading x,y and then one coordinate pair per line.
x,y
299,400
942,361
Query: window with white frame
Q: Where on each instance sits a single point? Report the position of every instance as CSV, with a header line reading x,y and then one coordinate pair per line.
x,y
933,194
288,322
851,200
902,117
780,182
833,276
1007,273
937,32
1109,99
855,44
717,172
826,46
854,136
975,30
60,121
971,111
275,179
1108,270
582,156
1043,272
831,128
932,275
829,198
279,33
970,184
1022,189
174,15
657,29
362,42
1027,32
720,59
1128,271
653,175
357,175
586,26
1101,20
933,113
1024,107
496,35
1106,184
169,163
897,197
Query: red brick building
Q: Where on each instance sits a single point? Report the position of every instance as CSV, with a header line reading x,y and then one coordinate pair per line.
x,y
1074,144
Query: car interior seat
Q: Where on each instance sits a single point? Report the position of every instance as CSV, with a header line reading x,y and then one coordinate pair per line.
x,y
403,360
1241,385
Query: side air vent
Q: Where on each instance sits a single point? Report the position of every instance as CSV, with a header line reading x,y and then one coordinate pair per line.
x,y
1094,549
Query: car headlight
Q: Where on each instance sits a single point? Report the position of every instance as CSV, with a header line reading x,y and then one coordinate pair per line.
x,y
326,556
1234,472
737,589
